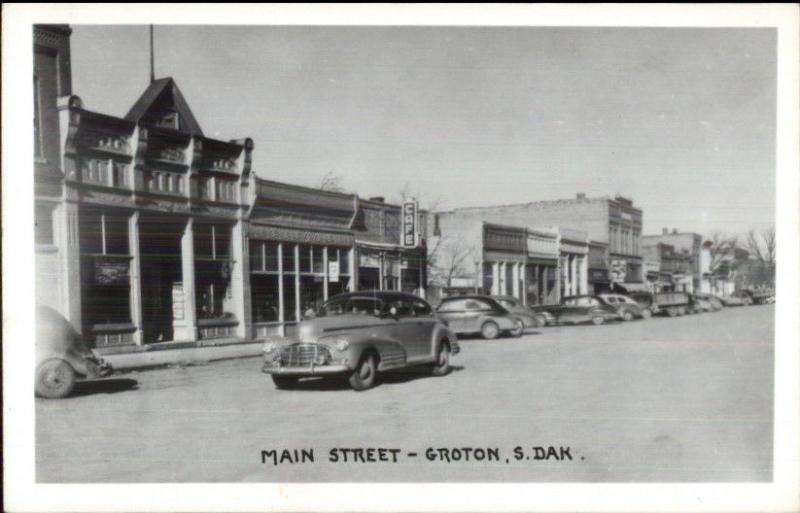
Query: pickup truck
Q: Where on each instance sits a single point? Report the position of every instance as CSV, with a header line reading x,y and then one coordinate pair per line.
x,y
671,303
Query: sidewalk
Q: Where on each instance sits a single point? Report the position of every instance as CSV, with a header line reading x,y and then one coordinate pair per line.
x,y
185,356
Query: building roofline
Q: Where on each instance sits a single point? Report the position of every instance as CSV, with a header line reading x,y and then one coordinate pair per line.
x,y
595,199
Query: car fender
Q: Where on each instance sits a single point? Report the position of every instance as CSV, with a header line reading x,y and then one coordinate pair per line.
x,y
391,353
440,333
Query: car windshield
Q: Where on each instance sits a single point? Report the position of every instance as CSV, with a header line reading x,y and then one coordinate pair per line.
x,y
358,305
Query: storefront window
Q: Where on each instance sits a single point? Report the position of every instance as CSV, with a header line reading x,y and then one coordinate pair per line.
x,y
213,270
288,258
318,259
265,297
289,296
305,258
105,266
311,293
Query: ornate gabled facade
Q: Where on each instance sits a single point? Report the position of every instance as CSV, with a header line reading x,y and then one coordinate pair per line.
x,y
141,220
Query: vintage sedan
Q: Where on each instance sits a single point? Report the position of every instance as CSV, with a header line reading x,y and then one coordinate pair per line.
x,y
360,334
62,356
580,309
627,307
479,314
529,318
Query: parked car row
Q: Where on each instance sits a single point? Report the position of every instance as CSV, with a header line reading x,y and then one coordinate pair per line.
x,y
358,335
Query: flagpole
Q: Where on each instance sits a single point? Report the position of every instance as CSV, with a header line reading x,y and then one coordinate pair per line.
x,y
152,58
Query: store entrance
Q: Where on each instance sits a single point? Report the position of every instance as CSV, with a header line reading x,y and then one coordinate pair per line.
x,y
162,276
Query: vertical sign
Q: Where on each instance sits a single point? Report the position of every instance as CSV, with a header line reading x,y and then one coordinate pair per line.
x,y
409,224
333,272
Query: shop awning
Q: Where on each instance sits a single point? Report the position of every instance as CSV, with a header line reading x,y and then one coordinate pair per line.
x,y
303,236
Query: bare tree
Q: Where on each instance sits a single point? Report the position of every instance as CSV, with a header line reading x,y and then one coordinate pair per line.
x,y
332,182
763,248
431,204
722,250
448,258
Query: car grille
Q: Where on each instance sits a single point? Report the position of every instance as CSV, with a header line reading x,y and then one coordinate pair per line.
x,y
303,355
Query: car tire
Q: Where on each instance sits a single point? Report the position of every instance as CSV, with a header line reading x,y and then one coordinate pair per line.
x,y
363,377
284,382
646,313
598,320
627,316
442,365
518,330
54,379
490,330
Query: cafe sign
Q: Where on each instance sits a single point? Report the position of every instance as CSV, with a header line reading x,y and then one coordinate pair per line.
x,y
409,224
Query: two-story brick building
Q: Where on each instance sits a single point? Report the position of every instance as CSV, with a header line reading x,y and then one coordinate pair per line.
x,y
612,225
686,244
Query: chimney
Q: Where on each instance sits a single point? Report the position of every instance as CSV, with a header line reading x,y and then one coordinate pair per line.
x,y
664,231
378,199
581,196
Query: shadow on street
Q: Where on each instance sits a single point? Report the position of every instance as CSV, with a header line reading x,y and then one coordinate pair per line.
x,y
104,386
385,378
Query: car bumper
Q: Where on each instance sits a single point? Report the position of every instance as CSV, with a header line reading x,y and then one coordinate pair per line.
x,y
311,370
97,368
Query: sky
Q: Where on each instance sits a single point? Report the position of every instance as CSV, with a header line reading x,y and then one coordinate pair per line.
x,y
681,120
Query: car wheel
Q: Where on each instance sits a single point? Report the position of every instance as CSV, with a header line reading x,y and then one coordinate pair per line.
x,y
489,330
442,365
519,328
627,316
364,376
54,379
284,382
598,320
646,314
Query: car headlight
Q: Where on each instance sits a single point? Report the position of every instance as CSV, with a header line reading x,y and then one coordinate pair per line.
x,y
269,347
338,343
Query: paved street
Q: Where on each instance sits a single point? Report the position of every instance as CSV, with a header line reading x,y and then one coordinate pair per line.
x,y
684,399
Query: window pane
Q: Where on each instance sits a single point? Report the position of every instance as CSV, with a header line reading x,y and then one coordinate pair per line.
x,y
305,258
271,249
116,234
289,307
319,263
202,240
344,260
311,293
339,287
91,234
288,258
223,240
256,257
265,298
212,281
